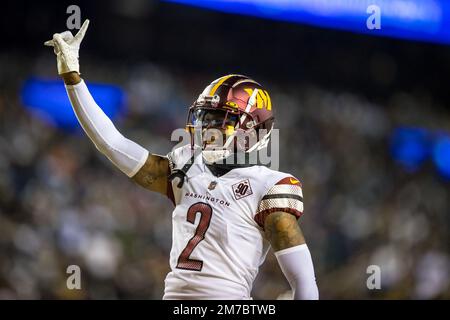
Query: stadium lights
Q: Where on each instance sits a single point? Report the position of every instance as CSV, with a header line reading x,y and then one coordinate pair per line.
x,y
411,147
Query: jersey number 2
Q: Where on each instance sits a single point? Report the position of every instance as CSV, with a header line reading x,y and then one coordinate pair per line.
x,y
205,211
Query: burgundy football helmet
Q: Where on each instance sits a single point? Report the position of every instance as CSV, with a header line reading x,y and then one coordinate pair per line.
x,y
233,104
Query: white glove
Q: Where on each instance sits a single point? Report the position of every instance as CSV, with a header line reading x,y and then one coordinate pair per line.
x,y
66,47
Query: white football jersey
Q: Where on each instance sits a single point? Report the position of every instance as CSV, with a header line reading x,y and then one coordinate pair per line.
x,y
217,237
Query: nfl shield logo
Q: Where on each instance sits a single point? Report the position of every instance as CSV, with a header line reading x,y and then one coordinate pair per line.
x,y
212,185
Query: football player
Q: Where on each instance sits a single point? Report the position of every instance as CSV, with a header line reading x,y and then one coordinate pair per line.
x,y
226,216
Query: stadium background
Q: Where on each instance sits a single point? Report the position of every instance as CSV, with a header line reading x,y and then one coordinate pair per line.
x,y
359,120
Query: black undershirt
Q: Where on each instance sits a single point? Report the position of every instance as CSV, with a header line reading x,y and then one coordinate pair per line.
x,y
219,170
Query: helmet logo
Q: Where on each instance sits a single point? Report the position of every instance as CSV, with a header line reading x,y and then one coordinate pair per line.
x,y
262,98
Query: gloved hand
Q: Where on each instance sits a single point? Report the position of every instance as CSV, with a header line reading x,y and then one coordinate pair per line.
x,y
66,47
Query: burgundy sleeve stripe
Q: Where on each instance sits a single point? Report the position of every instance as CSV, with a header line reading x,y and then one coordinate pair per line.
x,y
282,196
260,218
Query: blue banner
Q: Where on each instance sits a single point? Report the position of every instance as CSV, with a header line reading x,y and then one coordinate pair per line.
x,y
423,20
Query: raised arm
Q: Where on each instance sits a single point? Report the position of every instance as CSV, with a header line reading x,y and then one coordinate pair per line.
x,y
150,171
292,253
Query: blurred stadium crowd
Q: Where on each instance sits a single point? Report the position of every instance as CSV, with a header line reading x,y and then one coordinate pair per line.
x,y
63,203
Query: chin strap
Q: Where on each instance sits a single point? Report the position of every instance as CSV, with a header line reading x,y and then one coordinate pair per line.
x,y
261,144
212,156
182,173
232,161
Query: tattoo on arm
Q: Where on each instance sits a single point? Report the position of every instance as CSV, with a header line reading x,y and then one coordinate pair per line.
x,y
282,231
153,174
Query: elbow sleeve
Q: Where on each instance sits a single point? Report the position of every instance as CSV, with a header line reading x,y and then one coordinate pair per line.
x,y
125,154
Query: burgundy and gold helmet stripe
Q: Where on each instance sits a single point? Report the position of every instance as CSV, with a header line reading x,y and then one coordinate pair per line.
x,y
227,82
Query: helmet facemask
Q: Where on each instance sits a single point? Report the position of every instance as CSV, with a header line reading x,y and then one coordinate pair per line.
x,y
224,131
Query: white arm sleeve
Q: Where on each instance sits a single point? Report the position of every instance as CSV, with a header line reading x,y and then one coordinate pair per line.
x,y
127,155
297,266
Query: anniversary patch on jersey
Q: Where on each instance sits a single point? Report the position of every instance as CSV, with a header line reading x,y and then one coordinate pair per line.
x,y
242,189
285,196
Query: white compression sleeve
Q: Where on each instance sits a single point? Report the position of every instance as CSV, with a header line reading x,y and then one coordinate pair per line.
x,y
297,266
127,155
